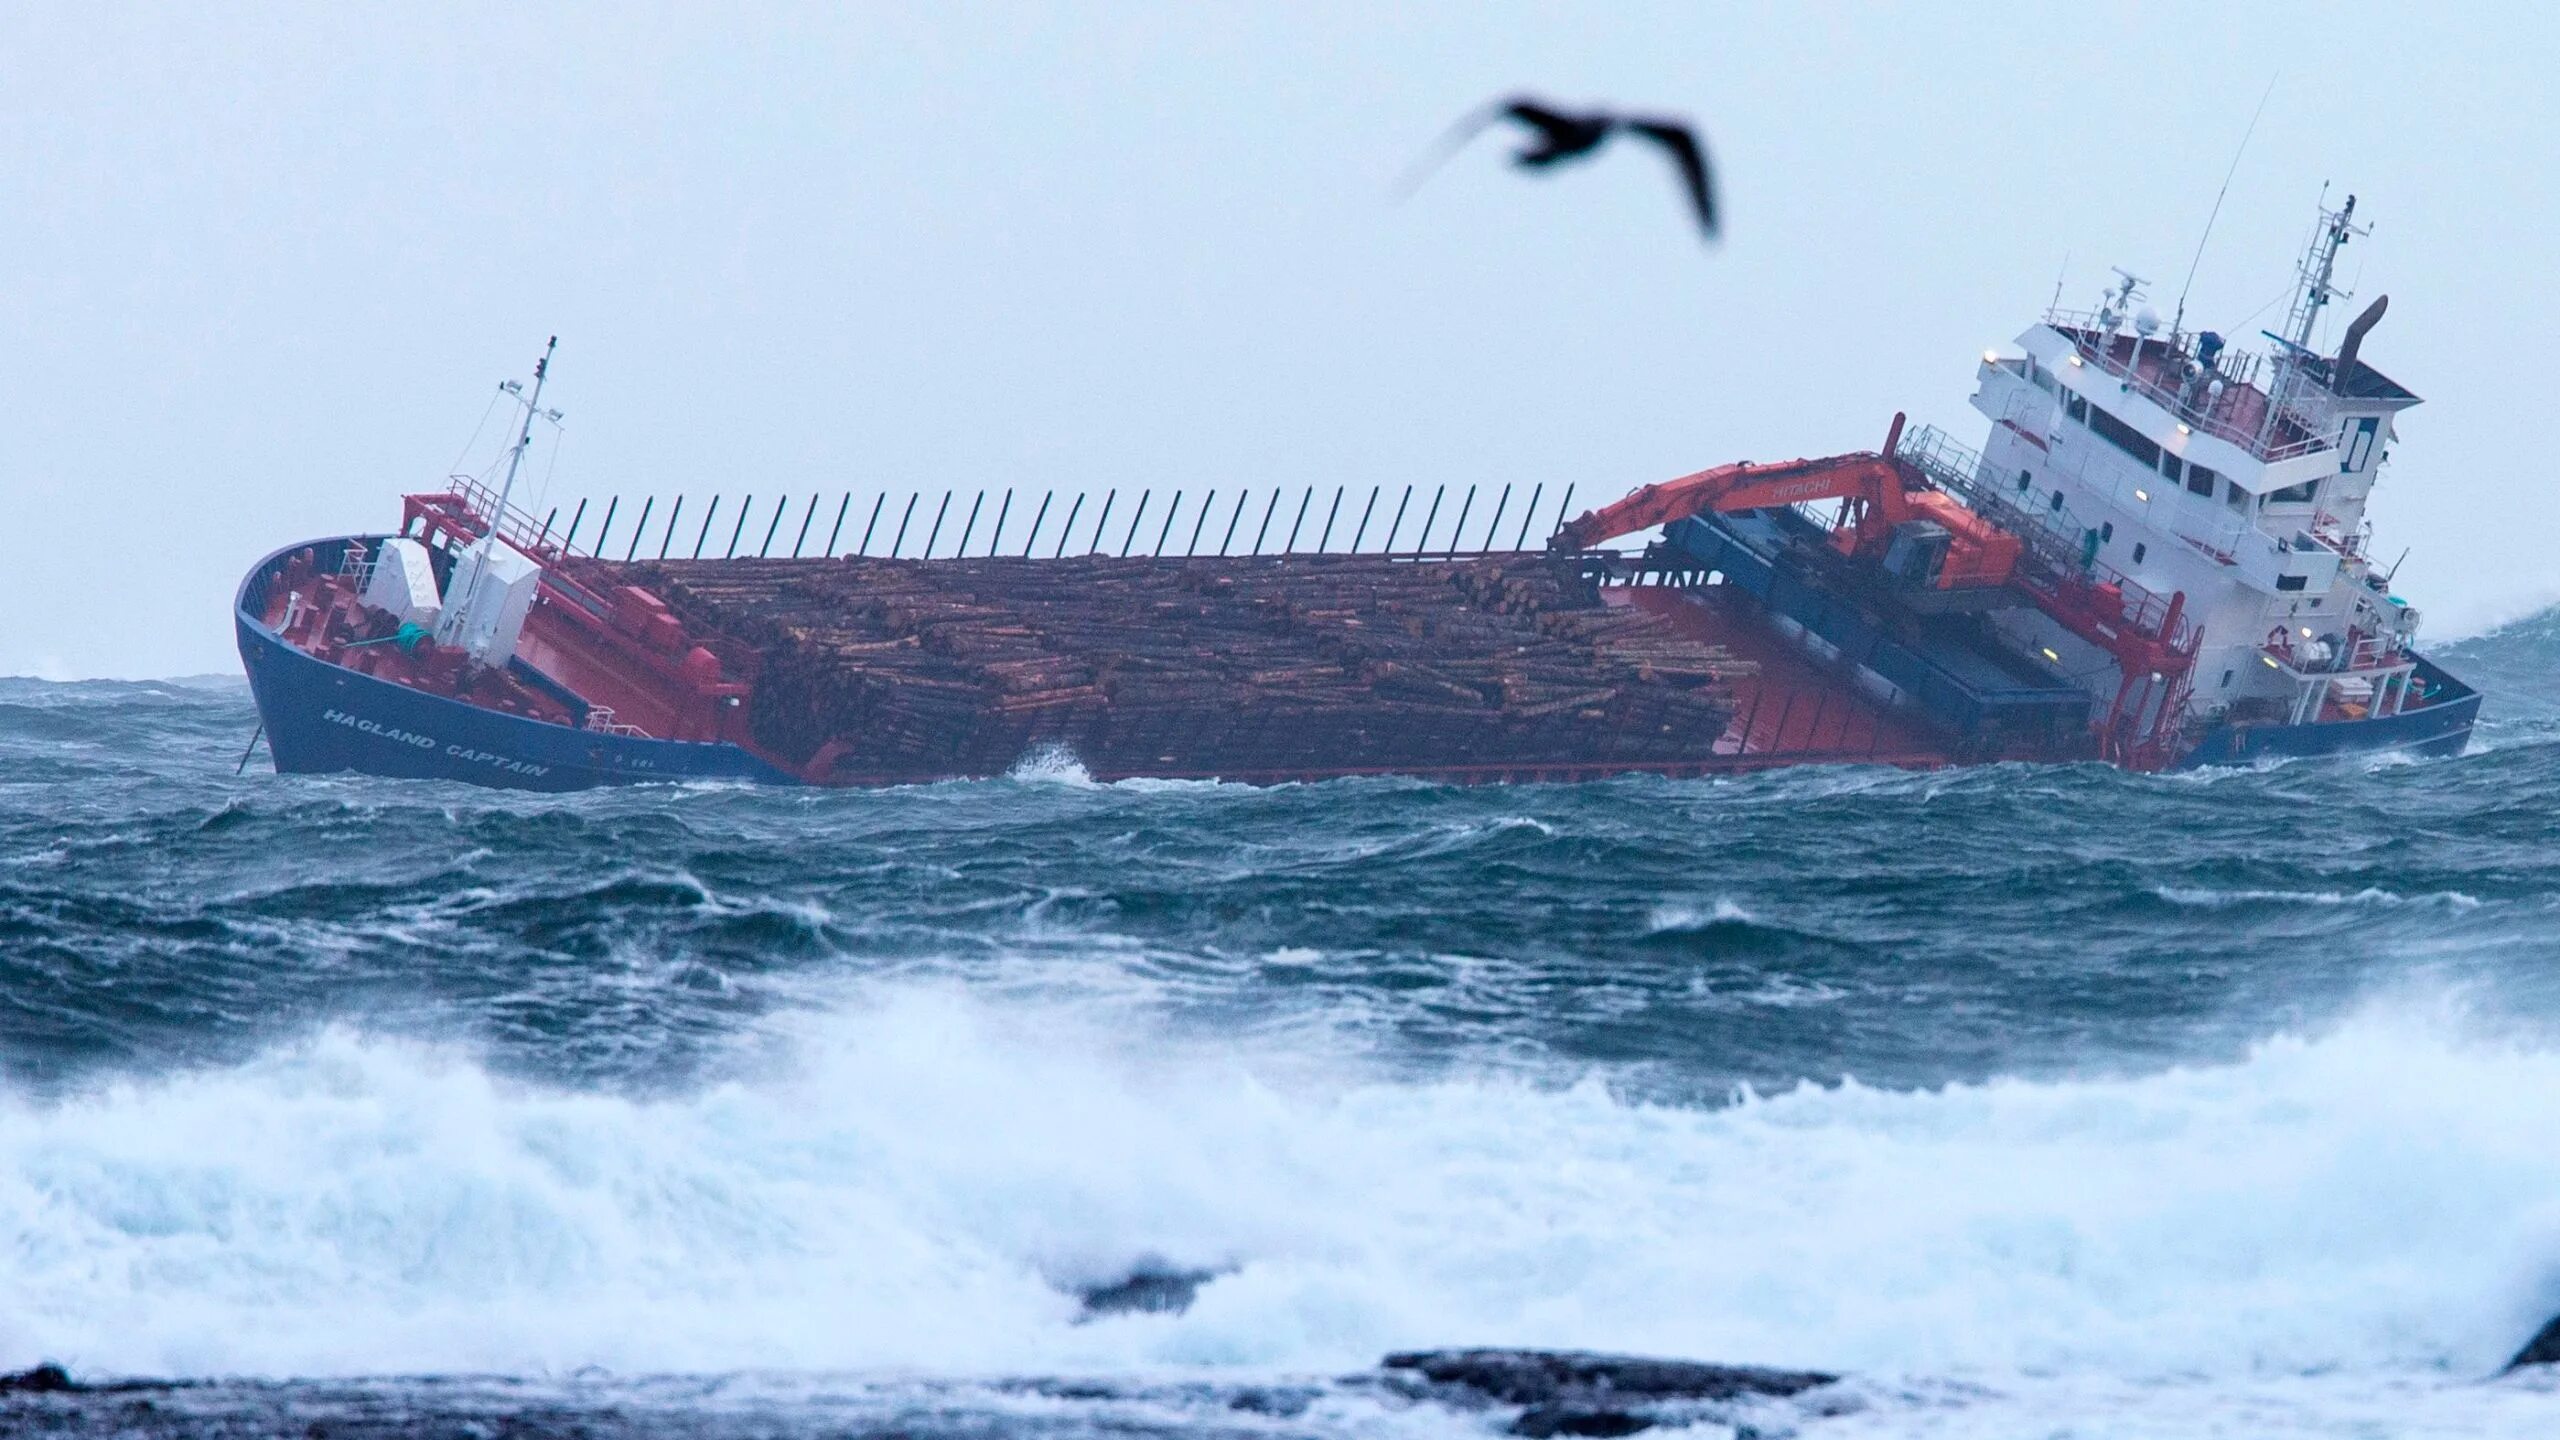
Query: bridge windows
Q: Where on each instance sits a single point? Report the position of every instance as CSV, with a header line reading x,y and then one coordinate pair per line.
x,y
2138,550
2124,437
2201,481
2302,494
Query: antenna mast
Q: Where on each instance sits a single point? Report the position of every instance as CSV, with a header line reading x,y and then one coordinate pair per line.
x,y
524,438
2319,263
455,624
2178,324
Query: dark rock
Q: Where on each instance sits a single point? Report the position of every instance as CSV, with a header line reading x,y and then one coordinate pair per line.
x,y
1543,1422
1580,1379
2542,1349
1149,1289
45,1379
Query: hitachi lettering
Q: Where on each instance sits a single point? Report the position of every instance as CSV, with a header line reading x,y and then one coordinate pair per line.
x,y
463,753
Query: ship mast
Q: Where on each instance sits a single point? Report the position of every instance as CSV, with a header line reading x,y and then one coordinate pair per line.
x,y
524,437
454,624
2337,227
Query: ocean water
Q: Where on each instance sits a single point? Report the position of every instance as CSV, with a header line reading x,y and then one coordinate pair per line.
x,y
2036,1102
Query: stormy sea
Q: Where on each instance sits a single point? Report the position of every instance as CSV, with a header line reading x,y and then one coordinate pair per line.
x,y
2026,1102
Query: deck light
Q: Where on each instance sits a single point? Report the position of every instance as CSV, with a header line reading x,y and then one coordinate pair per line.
x,y
1990,357
2306,632
2049,655
2142,495
2075,359
2271,662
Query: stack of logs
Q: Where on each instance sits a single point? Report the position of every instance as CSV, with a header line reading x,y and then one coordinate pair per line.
x,y
1259,667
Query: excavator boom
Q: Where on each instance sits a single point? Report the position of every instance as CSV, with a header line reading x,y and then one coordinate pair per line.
x,y
1883,495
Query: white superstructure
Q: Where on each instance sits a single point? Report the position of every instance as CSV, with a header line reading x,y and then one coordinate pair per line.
x,y
2185,466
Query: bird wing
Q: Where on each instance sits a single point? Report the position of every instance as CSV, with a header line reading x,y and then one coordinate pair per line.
x,y
1555,125
1682,146
1453,140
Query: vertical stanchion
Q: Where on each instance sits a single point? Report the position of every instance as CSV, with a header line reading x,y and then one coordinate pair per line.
x,y
806,516
1267,512
545,532
703,535
936,532
745,508
1102,522
1238,514
1207,503
837,533
568,542
1004,508
1171,514
646,501
1364,518
1529,516
1041,514
903,520
969,527
1422,542
667,537
605,532
1494,526
1136,518
772,527
1564,508
1389,548
1327,537
877,501
1295,525
1461,527
1068,530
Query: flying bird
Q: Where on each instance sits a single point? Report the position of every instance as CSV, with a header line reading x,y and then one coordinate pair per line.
x,y
1557,136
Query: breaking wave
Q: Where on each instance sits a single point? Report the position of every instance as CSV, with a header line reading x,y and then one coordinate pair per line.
x,y
921,1180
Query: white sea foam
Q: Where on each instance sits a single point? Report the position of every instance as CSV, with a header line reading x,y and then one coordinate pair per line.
x,y
1672,919
2370,895
914,1191
1051,765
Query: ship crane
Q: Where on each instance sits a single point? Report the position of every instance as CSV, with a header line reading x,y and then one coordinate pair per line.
x,y
1882,495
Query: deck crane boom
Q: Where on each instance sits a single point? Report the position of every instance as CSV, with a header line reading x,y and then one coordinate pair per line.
x,y
1882,494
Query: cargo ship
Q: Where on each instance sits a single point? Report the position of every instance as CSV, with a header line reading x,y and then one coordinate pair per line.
x,y
2157,557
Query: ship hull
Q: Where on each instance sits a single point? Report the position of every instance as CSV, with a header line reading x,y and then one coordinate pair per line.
x,y
2442,728
321,717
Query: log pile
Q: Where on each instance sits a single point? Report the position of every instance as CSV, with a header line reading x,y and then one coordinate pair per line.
x,y
1248,667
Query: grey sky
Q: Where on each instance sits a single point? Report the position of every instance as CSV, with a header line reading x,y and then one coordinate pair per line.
x,y
265,264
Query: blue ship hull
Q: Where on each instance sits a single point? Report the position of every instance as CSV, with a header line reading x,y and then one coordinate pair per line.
x,y
322,717
1965,698
2442,727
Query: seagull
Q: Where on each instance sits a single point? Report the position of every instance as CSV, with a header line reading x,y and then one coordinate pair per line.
x,y
1559,136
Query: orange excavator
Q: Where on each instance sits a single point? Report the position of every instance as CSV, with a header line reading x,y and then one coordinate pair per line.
x,y
1883,497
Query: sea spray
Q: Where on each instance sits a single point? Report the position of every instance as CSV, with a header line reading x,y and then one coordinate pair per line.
x,y
926,1181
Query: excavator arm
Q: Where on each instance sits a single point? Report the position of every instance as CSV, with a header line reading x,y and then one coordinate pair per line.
x,y
1728,488
1883,496
1746,486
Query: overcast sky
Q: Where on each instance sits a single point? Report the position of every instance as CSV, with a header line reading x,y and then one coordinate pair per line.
x,y
266,264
